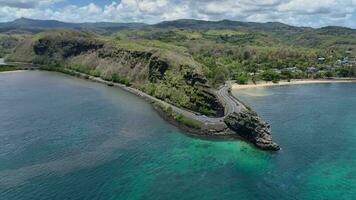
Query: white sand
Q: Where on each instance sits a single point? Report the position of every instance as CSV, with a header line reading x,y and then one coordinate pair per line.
x,y
292,82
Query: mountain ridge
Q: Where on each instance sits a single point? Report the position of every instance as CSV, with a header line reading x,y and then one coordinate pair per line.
x,y
36,25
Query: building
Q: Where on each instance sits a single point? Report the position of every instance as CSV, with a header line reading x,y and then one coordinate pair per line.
x,y
290,69
312,70
2,61
277,71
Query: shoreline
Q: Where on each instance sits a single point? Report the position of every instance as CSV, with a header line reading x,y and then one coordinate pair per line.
x,y
219,129
11,71
236,86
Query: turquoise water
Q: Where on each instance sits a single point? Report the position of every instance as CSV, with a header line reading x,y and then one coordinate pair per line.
x,y
66,138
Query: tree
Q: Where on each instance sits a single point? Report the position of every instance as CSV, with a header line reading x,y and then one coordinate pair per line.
x,y
329,74
287,75
270,75
242,79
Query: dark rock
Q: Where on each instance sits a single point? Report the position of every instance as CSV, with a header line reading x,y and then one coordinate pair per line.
x,y
249,126
211,101
157,68
193,78
62,48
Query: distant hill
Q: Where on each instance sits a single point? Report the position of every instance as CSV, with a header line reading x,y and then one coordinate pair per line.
x,y
35,26
223,24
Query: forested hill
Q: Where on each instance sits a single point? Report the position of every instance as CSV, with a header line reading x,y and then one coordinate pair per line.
x,y
35,26
32,25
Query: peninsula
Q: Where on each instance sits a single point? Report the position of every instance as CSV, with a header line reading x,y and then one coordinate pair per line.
x,y
238,120
185,67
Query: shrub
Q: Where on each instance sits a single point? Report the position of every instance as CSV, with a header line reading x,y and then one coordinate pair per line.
x,y
188,122
95,73
270,75
207,111
119,79
169,110
242,79
7,68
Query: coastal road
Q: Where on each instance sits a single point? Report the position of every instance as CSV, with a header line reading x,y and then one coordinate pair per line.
x,y
230,103
187,113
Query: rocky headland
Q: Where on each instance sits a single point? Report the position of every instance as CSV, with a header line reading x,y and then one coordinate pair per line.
x,y
248,125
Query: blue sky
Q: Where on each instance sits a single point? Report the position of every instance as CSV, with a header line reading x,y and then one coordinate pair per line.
x,y
315,13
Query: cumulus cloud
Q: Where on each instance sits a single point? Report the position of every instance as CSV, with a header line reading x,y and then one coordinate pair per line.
x,y
295,12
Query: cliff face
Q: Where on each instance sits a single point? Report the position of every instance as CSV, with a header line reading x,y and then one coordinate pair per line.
x,y
168,74
249,126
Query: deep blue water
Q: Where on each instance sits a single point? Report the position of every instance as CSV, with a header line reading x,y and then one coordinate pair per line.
x,y
66,138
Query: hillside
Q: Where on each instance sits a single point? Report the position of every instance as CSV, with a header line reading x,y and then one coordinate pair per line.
x,y
164,71
238,50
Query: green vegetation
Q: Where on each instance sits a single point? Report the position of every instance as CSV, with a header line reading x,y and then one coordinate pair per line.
x,y
72,69
227,52
188,122
242,78
348,71
4,68
163,70
270,75
119,79
95,73
58,69
191,123
8,42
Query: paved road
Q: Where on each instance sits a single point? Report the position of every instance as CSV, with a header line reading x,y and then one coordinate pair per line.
x,y
230,103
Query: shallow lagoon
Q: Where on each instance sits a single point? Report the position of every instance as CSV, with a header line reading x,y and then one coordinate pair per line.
x,y
66,138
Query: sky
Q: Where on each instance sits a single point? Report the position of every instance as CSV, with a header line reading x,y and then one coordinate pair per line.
x,y
314,13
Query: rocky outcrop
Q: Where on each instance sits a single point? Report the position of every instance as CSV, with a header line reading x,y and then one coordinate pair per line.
x,y
193,78
157,68
65,47
210,99
249,126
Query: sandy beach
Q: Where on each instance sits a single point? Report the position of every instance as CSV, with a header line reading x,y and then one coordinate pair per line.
x,y
292,82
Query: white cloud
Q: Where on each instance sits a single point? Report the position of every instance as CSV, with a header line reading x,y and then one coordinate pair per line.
x,y
296,12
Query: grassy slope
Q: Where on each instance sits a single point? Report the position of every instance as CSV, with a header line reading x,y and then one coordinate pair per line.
x,y
8,42
163,70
